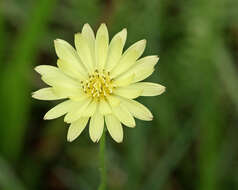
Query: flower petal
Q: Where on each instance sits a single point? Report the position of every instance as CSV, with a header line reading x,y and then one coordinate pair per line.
x,y
114,127
137,109
63,86
85,53
70,69
115,49
148,60
90,110
46,94
104,107
46,69
143,74
54,77
143,68
67,53
113,100
124,116
88,33
76,114
128,92
129,58
59,110
101,46
76,128
74,93
149,88
124,81
96,126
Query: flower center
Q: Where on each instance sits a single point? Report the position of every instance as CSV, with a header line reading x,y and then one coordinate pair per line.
x,y
99,85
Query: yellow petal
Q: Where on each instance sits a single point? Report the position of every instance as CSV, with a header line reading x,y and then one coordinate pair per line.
x,y
137,109
128,92
113,100
46,70
76,128
60,81
46,94
67,53
76,114
104,108
115,49
54,77
70,69
59,110
124,116
74,93
124,81
88,33
96,126
101,46
151,59
143,74
149,88
85,53
114,127
90,110
143,68
129,58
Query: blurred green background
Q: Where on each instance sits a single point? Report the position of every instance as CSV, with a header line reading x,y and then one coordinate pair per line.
x,y
192,143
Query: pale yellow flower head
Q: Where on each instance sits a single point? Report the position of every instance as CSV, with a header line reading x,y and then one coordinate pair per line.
x,y
98,82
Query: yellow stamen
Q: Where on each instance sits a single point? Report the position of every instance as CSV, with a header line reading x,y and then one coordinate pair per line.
x,y
99,85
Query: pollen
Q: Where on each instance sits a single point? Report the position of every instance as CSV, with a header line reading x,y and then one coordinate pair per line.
x,y
99,85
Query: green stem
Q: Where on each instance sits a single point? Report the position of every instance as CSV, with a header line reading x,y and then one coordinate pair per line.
x,y
102,167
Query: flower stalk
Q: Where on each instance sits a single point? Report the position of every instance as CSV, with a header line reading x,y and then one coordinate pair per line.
x,y
102,167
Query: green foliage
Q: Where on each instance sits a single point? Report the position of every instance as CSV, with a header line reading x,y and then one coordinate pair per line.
x,y
192,141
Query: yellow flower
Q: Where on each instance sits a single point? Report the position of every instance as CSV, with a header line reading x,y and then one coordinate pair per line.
x,y
100,82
